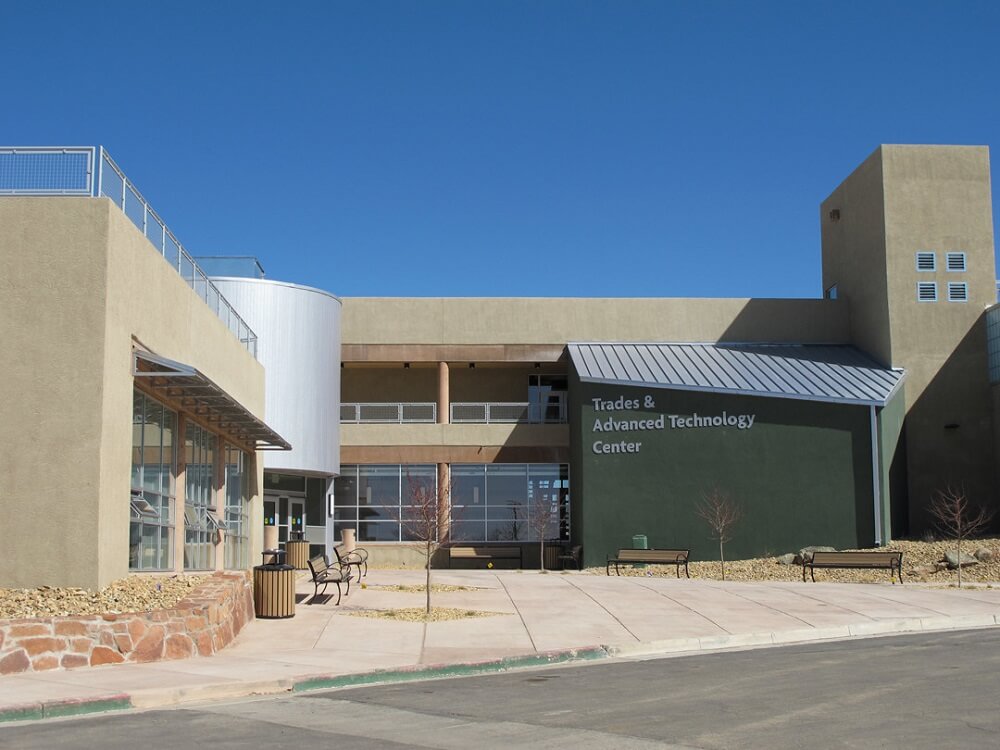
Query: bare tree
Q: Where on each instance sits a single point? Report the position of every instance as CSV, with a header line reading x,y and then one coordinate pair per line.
x,y
956,518
425,519
721,513
540,515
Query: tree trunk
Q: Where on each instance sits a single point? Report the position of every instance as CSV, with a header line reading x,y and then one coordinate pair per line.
x,y
428,581
722,560
959,553
541,554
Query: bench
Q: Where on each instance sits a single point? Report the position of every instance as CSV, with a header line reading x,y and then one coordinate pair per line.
x,y
676,557
357,557
323,574
483,554
891,561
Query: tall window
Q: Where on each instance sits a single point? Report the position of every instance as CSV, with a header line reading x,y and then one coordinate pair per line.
x,y
199,452
151,531
509,502
237,497
373,499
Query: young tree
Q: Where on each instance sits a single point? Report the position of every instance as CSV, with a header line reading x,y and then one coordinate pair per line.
x,y
721,513
425,519
955,518
540,515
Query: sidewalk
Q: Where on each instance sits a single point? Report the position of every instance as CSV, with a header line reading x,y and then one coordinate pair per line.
x,y
546,619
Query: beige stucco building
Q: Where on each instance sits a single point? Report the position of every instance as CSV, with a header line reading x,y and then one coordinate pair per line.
x,y
128,374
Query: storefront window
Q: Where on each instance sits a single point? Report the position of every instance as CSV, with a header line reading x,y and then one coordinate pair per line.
x,y
373,499
152,496
199,452
237,498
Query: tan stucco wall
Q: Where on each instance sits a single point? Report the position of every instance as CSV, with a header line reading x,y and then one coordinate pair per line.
x,y
52,298
485,321
454,434
87,285
485,382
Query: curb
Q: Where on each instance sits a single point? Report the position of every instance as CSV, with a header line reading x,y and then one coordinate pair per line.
x,y
804,635
60,708
463,669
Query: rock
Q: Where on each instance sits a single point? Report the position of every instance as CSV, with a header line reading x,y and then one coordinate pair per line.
x,y
806,553
984,554
924,570
788,559
952,560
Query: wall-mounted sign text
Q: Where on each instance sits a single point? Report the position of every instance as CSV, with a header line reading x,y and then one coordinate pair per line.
x,y
677,422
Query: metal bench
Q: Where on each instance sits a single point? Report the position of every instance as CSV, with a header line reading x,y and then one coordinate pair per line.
x,y
483,553
891,561
357,557
675,557
323,574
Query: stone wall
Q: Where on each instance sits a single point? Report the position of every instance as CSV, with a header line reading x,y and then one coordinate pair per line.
x,y
200,625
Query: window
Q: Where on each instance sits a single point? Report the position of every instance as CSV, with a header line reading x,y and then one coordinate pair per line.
x,y
151,530
955,262
926,291
237,497
509,502
374,499
958,291
926,260
199,454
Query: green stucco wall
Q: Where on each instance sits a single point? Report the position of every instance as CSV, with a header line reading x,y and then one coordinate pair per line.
x,y
802,473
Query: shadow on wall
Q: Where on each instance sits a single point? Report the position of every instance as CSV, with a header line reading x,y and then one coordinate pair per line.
x,y
950,432
819,321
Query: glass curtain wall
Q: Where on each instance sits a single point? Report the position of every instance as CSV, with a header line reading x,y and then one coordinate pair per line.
x,y
199,450
151,530
509,502
384,502
236,516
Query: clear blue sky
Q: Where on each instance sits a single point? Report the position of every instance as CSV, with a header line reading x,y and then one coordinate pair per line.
x,y
501,148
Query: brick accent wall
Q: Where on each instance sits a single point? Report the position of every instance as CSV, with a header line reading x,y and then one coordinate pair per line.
x,y
201,624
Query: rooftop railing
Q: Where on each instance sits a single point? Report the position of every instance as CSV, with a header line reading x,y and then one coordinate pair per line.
x,y
90,171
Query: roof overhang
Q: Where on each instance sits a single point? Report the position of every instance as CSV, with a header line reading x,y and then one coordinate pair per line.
x,y
198,395
836,374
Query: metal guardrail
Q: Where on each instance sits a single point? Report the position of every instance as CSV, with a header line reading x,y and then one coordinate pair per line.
x,y
389,413
90,171
507,413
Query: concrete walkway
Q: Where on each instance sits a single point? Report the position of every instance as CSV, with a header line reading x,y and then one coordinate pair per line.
x,y
545,619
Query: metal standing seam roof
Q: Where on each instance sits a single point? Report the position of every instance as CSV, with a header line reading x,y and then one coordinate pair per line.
x,y
810,372
199,395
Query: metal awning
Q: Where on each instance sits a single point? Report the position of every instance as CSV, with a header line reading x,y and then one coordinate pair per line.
x,y
198,395
811,372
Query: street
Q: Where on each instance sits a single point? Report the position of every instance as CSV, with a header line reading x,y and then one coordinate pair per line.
x,y
925,691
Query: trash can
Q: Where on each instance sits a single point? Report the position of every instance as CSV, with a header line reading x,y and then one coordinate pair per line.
x,y
639,541
274,591
347,540
298,552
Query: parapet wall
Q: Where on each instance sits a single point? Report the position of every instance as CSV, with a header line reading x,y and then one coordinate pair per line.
x,y
200,625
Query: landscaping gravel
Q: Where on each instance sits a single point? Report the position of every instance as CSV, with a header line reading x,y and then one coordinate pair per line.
x,y
131,594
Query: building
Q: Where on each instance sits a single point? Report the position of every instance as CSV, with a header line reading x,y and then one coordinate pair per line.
x,y
830,420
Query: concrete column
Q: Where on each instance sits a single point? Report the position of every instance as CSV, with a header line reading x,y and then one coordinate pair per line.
x,y
444,503
444,395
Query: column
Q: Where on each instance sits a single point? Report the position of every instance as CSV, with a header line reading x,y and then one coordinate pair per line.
x,y
444,396
444,502
180,492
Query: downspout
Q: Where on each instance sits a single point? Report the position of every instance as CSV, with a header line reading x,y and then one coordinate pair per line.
x,y
876,484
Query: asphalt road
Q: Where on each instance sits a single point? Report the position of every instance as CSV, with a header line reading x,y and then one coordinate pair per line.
x,y
927,691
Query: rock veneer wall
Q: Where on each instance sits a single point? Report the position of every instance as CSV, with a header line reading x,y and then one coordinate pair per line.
x,y
203,623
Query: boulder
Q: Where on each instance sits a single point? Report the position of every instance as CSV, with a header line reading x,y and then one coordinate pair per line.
x,y
806,553
951,559
924,570
788,559
983,554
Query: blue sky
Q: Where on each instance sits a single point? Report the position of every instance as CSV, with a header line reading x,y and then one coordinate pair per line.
x,y
472,148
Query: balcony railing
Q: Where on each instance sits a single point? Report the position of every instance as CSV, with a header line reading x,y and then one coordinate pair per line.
x,y
507,413
389,413
90,171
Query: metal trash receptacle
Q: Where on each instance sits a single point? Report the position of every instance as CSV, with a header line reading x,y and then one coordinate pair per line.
x,y
274,591
639,541
297,554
